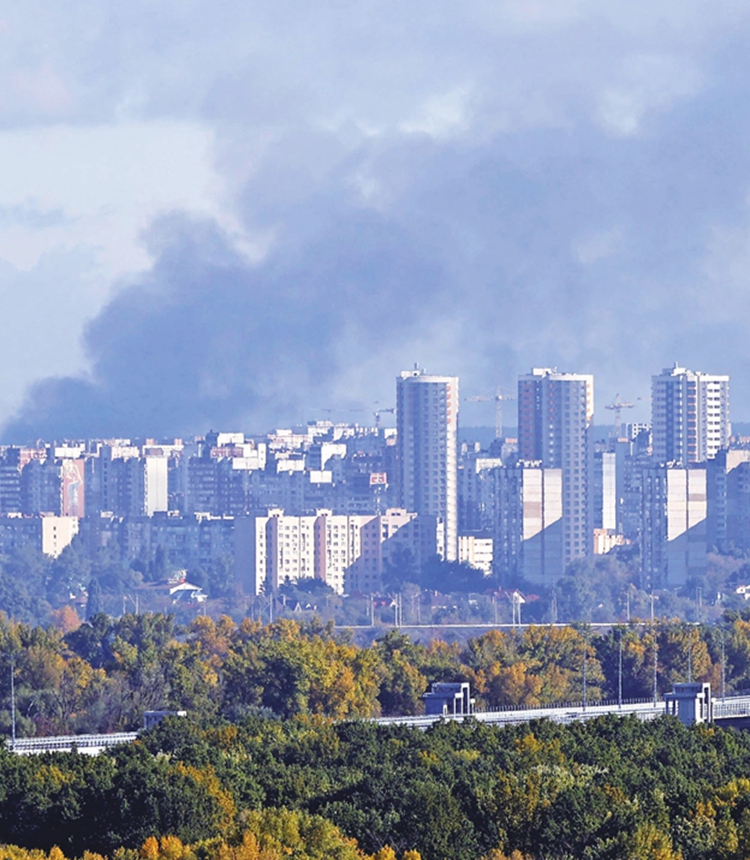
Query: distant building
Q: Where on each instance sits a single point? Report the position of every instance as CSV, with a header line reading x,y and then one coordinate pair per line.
x,y
605,540
477,551
605,491
196,540
57,533
528,539
427,415
689,415
475,492
347,552
673,531
10,486
47,533
125,483
728,493
186,592
555,413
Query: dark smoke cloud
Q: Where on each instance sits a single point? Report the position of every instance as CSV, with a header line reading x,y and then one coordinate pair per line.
x,y
582,250
584,205
208,339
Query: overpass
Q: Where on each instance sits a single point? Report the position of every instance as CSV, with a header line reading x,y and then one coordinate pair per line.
x,y
88,744
569,713
732,711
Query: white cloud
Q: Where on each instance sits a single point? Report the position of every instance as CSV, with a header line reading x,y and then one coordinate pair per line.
x,y
597,246
644,84
442,114
108,181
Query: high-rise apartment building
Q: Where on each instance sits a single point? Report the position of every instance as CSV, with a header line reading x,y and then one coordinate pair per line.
x,y
427,414
528,530
673,530
555,413
728,501
689,415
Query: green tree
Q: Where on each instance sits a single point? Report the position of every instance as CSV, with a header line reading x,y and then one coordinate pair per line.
x,y
399,567
94,599
402,684
451,576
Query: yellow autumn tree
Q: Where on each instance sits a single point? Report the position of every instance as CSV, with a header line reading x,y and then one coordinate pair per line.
x,y
65,619
496,854
652,843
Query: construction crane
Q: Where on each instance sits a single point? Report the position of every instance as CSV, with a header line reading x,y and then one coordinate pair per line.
x,y
378,413
498,397
337,411
617,405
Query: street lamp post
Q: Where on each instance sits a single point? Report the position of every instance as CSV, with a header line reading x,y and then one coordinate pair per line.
x,y
13,701
656,665
585,649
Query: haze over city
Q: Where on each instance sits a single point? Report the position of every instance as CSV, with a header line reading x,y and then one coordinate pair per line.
x,y
248,214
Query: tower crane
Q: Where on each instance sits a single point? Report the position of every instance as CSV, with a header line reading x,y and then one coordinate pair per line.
x,y
617,405
379,412
498,397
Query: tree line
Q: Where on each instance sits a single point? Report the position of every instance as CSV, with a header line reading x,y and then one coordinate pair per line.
x,y
103,674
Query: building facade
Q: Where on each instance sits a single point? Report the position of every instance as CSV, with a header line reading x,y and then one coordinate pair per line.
x,y
689,415
673,531
48,533
605,491
728,491
347,552
427,417
555,414
476,550
528,539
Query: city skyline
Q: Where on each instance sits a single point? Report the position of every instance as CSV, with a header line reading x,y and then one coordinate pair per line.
x,y
477,410
357,506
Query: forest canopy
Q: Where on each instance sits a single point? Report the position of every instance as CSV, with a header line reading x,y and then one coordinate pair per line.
x,y
277,756
310,787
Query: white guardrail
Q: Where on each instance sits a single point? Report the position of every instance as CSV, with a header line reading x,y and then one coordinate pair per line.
x,y
91,744
644,709
731,708
569,713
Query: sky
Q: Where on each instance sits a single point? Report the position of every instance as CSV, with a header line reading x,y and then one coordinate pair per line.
x,y
243,215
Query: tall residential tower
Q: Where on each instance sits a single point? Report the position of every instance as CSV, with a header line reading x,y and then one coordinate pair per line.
x,y
689,415
427,412
555,411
